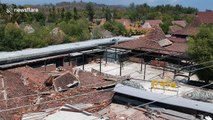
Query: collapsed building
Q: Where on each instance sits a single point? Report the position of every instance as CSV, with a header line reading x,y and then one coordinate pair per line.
x,y
21,94
83,80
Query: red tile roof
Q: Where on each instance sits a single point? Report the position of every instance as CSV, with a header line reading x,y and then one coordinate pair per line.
x,y
14,85
205,17
150,43
177,40
16,88
34,77
174,28
154,22
181,23
193,28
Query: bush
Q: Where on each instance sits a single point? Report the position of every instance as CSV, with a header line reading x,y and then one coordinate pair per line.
x,y
115,28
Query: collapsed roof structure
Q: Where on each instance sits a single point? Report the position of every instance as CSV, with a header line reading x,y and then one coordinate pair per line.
x,y
22,94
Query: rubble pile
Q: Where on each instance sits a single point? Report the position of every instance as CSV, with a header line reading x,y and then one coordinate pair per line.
x,y
27,90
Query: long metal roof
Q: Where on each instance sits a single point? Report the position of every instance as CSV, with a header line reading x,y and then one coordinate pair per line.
x,y
54,49
166,99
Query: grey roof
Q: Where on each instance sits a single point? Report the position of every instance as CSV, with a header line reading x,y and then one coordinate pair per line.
x,y
54,49
172,100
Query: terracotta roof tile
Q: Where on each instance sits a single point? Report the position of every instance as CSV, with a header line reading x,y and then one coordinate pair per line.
x,y
150,42
34,78
153,22
181,23
174,28
205,17
16,88
193,28
14,84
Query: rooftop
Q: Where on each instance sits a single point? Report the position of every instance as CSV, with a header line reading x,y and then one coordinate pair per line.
x,y
153,22
205,17
59,49
193,28
22,98
172,100
150,41
181,23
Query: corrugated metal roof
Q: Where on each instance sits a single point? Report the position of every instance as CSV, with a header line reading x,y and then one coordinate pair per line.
x,y
171,100
59,48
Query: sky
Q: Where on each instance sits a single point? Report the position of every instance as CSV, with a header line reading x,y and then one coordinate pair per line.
x,y
200,4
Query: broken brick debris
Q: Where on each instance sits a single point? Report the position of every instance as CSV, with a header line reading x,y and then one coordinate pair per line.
x,y
26,95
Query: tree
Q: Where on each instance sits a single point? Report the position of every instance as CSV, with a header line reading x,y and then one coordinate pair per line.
x,y
97,33
115,28
68,16
62,13
13,37
90,11
165,26
2,26
108,15
77,30
75,13
52,15
40,18
167,21
201,49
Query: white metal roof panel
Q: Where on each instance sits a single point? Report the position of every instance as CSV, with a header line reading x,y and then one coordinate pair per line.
x,y
172,100
59,48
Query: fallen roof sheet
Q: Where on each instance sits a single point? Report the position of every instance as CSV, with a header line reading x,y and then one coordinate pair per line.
x,y
171,100
65,81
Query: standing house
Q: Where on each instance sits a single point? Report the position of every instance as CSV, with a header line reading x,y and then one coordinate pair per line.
x,y
193,28
177,25
151,23
156,42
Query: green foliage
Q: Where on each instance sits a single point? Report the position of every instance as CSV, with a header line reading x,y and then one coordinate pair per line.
x,y
77,30
75,26
167,21
134,32
201,48
68,16
75,13
13,36
40,18
108,15
115,28
90,11
96,32
165,26
201,45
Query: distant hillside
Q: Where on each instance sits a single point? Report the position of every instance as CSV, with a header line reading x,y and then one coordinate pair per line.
x,y
78,5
